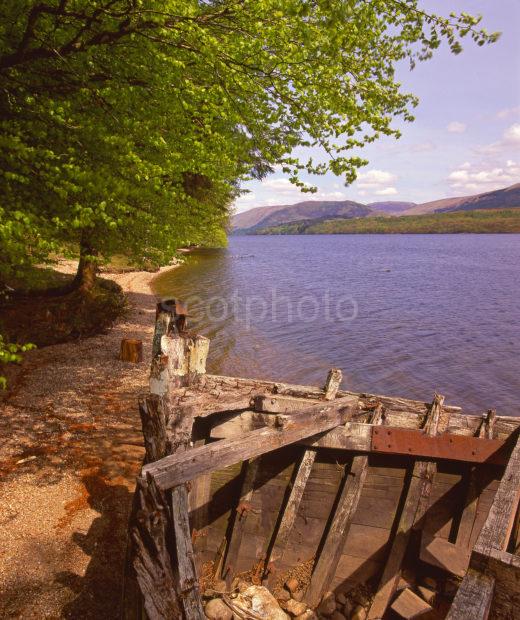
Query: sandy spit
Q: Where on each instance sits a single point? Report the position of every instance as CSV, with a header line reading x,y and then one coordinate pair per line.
x,y
70,449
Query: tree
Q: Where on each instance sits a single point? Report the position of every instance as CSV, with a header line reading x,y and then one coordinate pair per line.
x,y
108,106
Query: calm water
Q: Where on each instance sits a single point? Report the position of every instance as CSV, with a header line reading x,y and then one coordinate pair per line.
x,y
399,314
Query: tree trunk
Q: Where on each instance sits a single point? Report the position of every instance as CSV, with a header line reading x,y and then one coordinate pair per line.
x,y
87,267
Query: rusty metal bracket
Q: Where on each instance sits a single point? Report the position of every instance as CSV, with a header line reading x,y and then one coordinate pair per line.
x,y
445,446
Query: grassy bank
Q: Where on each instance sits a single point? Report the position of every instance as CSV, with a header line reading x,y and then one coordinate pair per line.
x,y
479,221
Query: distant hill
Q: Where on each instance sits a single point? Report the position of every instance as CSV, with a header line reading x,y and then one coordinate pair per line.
x,y
302,215
392,206
265,217
468,221
498,199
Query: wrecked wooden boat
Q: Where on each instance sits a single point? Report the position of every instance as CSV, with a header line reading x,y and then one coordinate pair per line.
x,y
358,505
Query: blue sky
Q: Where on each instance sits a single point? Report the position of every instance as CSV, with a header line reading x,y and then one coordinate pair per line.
x,y
466,136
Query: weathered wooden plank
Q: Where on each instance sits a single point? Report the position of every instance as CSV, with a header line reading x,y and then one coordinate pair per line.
x,y
173,470
290,509
267,403
240,517
474,597
188,583
334,379
332,547
443,554
413,509
497,528
409,606
469,510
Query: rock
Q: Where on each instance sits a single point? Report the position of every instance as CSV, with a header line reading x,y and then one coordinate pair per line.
x,y
328,604
427,594
260,601
282,595
292,584
341,598
337,615
216,609
220,586
359,613
295,608
347,608
298,595
308,615
361,598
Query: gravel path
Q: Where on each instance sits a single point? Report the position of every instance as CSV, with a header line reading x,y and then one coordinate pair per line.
x,y
70,449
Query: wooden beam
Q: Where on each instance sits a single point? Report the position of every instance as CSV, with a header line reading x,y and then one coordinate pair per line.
x,y
360,437
346,506
413,509
469,511
268,403
497,529
188,582
240,517
177,469
289,511
474,597
334,379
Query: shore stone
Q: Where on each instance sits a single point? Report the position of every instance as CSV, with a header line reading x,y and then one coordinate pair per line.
x,y
282,595
337,615
216,609
298,595
347,608
359,613
292,584
308,615
295,608
341,598
328,604
260,601
220,586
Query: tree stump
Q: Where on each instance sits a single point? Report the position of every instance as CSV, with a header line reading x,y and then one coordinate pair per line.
x,y
131,350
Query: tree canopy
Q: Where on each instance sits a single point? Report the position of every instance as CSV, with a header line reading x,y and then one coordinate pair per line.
x,y
128,125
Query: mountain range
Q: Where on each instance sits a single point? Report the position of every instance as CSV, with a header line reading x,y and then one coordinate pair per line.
x,y
310,211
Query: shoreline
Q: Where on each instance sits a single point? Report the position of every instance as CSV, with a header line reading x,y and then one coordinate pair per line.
x,y
71,451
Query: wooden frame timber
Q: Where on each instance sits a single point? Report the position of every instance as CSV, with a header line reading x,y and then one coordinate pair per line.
x,y
270,475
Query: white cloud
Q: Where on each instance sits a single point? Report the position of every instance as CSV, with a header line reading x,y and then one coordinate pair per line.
x,y
510,139
322,195
387,191
376,182
508,113
482,178
456,127
422,147
374,179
